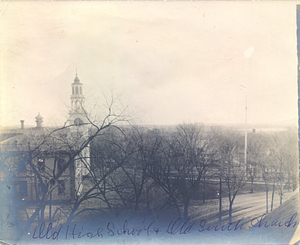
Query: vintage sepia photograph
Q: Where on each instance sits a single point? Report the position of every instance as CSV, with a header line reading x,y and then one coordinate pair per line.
x,y
149,122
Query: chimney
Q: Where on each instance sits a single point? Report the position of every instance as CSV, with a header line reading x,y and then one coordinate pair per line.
x,y
22,124
39,121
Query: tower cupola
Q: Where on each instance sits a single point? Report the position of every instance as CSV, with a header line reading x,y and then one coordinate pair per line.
x,y
77,114
77,98
76,80
39,121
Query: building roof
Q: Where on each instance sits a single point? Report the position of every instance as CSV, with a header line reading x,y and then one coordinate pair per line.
x,y
45,139
76,80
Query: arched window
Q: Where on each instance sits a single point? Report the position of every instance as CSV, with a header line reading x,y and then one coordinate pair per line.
x,y
76,90
72,90
80,90
78,122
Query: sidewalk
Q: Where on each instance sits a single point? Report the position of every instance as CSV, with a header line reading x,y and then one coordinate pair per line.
x,y
274,234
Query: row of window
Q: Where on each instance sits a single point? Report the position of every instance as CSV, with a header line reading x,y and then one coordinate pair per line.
x,y
60,162
76,90
21,188
61,187
77,104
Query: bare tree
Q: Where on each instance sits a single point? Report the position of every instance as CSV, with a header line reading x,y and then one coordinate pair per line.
x,y
133,179
256,151
231,164
67,146
186,159
283,156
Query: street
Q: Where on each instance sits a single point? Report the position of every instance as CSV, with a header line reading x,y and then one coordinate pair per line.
x,y
248,205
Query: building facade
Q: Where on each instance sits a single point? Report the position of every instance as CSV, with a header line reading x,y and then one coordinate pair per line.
x,y
41,160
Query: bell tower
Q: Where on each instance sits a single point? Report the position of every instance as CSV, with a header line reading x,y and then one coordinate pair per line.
x,y
77,115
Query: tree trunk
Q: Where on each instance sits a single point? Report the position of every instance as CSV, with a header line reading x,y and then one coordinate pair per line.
x,y
71,215
186,209
267,200
230,210
273,191
50,207
281,196
178,210
220,204
289,181
204,191
42,218
204,195
136,208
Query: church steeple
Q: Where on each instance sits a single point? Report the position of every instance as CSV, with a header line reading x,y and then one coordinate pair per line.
x,y
78,117
77,97
77,114
76,80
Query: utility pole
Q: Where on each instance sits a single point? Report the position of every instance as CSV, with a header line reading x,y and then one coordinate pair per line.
x,y
246,132
246,119
220,203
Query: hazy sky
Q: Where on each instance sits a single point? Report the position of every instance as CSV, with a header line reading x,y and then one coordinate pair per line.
x,y
169,62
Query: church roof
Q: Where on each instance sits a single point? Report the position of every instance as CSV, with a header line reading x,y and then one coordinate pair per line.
x,y
76,80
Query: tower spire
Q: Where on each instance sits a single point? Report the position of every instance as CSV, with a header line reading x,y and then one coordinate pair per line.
x,y
76,114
